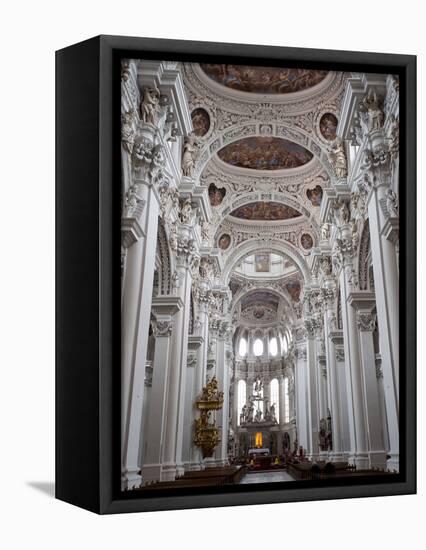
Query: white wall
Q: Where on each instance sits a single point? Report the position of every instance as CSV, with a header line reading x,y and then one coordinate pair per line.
x,y
30,32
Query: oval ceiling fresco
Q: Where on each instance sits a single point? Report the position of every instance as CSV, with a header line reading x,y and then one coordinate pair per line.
x,y
265,211
263,80
264,153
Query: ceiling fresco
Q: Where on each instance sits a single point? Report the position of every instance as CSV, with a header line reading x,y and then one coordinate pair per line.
x,y
263,80
294,288
265,211
265,153
200,121
260,297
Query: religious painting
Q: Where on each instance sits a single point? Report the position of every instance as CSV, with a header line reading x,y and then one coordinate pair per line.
x,y
216,194
200,121
294,288
265,211
263,80
262,262
224,241
265,153
315,195
306,241
328,126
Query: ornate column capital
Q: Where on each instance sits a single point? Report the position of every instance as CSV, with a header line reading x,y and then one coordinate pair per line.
x,y
366,322
162,328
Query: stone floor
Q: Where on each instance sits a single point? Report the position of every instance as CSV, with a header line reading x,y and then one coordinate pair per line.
x,y
266,477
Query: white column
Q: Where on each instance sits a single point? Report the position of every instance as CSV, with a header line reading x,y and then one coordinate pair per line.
x,y
301,387
222,376
386,280
173,464
312,396
329,297
164,308
135,314
196,460
357,419
364,302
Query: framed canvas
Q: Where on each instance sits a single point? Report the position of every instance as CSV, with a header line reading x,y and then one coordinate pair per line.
x,y
236,274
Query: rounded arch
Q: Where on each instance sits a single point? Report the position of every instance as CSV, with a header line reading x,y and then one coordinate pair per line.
x,y
246,291
278,247
254,129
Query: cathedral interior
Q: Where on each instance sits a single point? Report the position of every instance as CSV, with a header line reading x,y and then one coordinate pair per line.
x,y
260,282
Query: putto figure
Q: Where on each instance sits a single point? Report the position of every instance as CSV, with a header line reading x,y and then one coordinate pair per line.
x,y
338,158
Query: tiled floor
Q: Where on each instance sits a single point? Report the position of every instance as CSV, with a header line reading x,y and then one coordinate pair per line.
x,y
266,477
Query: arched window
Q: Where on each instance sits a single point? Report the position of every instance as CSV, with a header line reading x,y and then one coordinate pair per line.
x,y
275,398
286,402
241,398
242,348
273,346
258,347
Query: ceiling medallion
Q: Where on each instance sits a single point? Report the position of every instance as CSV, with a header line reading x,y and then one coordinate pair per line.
x,y
263,80
200,121
306,241
224,241
265,211
315,195
265,153
328,126
216,194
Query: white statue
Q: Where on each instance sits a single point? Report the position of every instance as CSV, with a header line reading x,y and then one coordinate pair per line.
x,y
150,100
373,112
205,231
338,158
186,211
355,236
341,212
127,132
325,231
188,162
258,417
392,203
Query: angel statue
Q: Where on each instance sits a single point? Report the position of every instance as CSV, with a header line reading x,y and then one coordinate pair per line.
x,y
188,158
337,157
150,100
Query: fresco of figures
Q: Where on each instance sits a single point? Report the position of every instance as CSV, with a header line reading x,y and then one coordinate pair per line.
x,y
265,211
265,153
200,121
263,80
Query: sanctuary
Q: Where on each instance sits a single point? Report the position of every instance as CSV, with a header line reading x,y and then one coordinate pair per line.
x,y
260,281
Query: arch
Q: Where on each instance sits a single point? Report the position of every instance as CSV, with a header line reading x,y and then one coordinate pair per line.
x,y
278,247
252,129
245,291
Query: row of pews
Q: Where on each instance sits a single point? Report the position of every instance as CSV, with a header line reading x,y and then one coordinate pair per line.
x,y
226,475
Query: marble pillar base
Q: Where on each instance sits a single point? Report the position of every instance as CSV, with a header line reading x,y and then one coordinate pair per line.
x,y
337,457
130,479
378,459
195,466
168,472
151,472
393,462
360,460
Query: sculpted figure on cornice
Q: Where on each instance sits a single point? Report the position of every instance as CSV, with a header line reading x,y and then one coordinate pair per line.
x,y
188,157
371,112
337,157
133,203
149,105
128,130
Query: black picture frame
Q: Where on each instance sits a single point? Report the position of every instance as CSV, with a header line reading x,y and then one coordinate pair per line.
x,y
88,273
